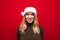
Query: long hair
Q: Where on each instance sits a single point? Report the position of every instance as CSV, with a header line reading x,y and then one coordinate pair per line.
x,y
35,27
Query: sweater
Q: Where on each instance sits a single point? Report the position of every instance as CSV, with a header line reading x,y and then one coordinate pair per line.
x,y
29,34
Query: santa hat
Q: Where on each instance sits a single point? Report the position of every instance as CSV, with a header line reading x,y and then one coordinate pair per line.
x,y
28,9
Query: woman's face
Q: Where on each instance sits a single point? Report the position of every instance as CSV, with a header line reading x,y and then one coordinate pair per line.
x,y
29,17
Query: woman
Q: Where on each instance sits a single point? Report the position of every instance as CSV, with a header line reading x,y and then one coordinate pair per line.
x,y
29,28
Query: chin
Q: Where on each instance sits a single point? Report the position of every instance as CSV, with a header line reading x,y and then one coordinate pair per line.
x,y
29,22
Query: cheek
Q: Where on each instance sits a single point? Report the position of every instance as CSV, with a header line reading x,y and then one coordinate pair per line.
x,y
32,17
26,17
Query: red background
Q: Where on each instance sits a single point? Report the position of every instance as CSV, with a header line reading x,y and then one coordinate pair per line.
x,y
48,17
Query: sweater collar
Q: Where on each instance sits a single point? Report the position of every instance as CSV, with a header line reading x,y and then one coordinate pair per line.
x,y
29,24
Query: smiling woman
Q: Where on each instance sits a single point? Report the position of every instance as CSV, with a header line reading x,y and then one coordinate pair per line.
x,y
29,17
29,28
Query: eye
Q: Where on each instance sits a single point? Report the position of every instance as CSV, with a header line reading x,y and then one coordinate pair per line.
x,y
27,14
32,14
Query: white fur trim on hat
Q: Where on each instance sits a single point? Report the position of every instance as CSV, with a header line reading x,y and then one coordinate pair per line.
x,y
29,9
22,13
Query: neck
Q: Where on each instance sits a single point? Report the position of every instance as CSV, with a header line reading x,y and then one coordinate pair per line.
x,y
29,24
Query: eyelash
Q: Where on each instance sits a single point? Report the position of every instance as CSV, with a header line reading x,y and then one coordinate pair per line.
x,y
27,14
32,14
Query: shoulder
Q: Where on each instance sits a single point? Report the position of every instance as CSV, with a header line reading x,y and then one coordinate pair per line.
x,y
18,33
41,31
18,29
40,27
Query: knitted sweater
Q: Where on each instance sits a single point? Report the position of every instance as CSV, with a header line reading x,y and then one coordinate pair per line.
x,y
29,34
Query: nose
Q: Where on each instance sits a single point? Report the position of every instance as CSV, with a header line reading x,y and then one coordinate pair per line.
x,y
30,16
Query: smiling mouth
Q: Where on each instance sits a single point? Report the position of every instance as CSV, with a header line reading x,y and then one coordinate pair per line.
x,y
30,19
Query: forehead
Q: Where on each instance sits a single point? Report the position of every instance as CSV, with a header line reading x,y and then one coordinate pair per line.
x,y
29,13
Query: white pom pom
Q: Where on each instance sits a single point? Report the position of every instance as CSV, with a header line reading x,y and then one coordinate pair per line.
x,y
22,13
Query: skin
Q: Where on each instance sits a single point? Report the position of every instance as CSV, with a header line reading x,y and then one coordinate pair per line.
x,y
29,17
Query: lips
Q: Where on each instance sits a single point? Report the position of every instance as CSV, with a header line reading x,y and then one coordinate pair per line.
x,y
29,19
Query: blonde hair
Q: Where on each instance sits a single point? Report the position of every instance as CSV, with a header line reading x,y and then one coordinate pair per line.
x,y
35,27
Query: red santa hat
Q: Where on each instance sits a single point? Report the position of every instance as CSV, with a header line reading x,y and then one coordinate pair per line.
x,y
28,9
